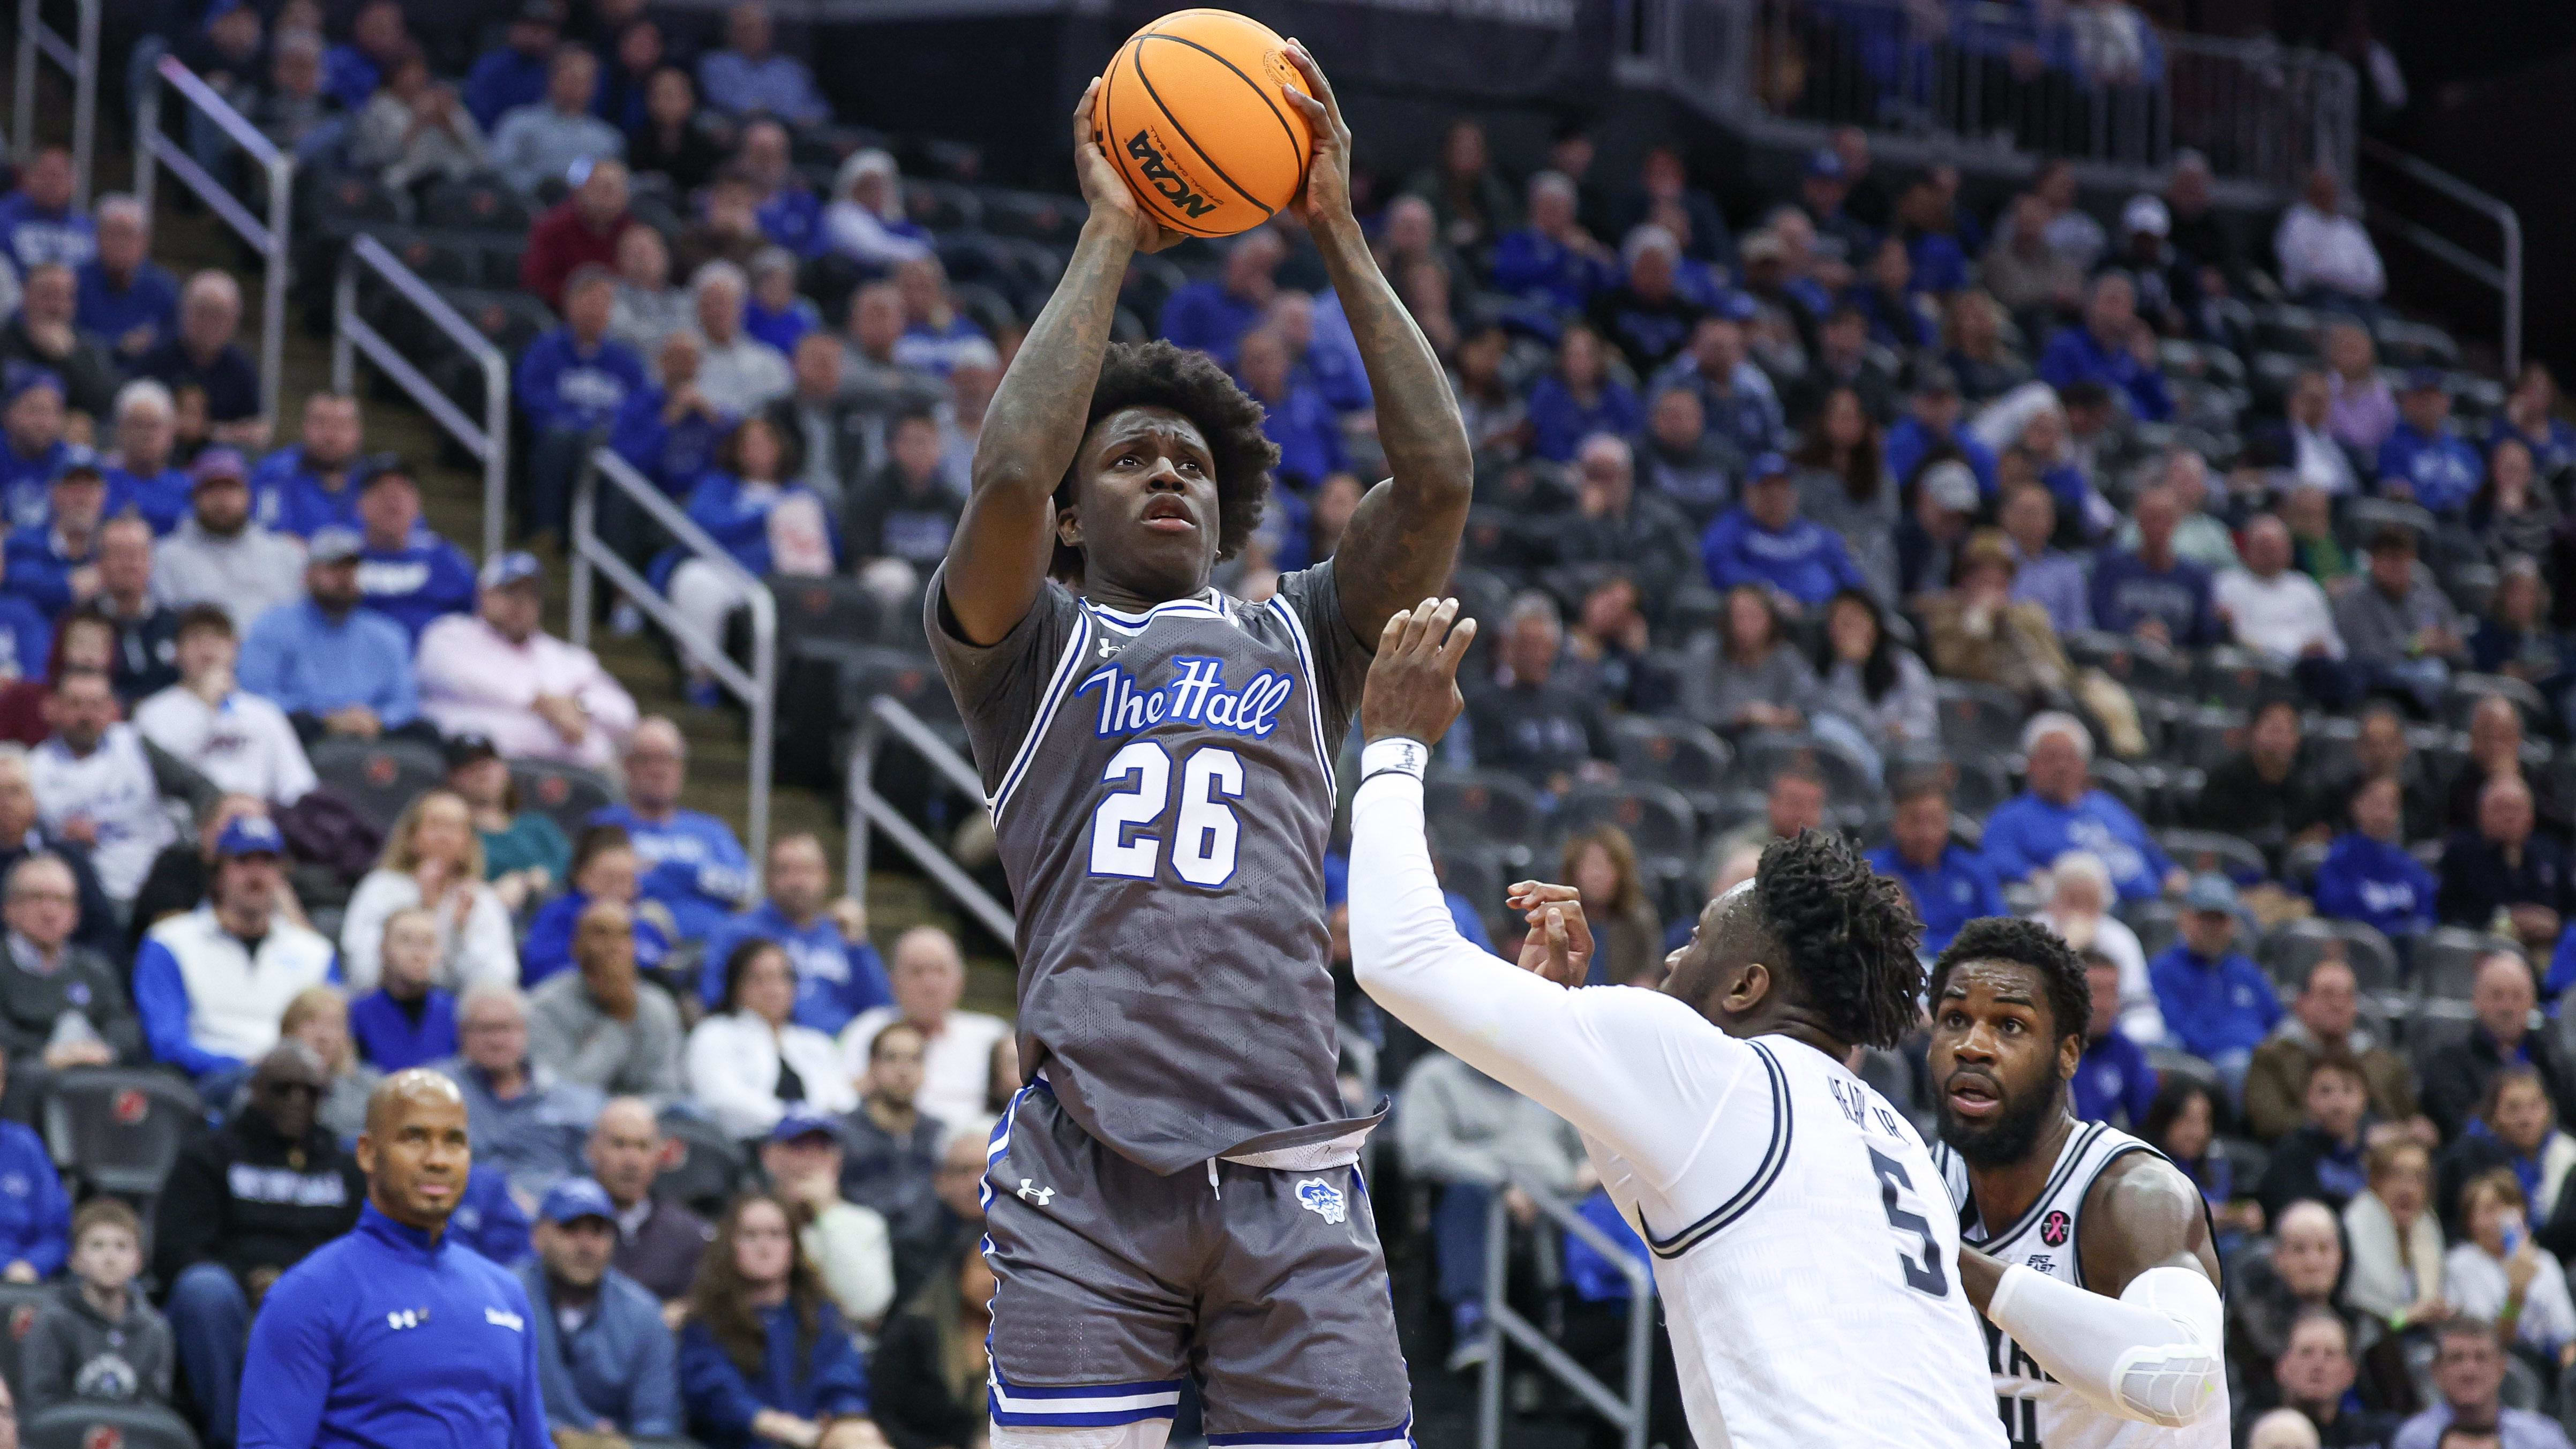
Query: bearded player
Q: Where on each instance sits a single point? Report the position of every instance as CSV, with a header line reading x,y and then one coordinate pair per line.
x,y
1802,1251
1172,1194
2086,1250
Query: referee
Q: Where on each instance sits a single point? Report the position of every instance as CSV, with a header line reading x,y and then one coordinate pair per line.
x,y
391,1335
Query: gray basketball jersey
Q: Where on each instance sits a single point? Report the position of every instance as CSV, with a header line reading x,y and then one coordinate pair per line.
x,y
1162,793
2038,1411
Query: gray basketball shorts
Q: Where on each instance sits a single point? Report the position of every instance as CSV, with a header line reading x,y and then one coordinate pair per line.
x,y
1117,1285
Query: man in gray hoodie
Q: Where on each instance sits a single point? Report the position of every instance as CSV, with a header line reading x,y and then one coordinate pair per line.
x,y
219,554
98,1339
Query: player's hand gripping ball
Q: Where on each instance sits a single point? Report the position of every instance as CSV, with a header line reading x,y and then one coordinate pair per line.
x,y
1191,113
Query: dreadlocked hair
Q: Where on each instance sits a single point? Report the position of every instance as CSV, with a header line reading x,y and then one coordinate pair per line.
x,y
1848,932
1195,385
2024,943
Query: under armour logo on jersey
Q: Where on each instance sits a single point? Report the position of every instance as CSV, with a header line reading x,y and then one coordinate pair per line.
x,y
504,1318
402,1318
1323,1200
1031,1192
2054,1228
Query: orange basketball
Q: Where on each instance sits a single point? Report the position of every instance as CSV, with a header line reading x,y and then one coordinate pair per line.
x,y
1190,112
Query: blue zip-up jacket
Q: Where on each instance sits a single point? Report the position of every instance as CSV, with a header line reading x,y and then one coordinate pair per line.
x,y
107,311
299,660
385,1337
2113,1082
722,1399
489,1220
622,1366
27,484
1559,421
793,218
736,516
1806,560
2026,833
672,457
2443,471
560,385
549,945
40,573
389,1040
418,583
2126,590
2213,1007
781,329
35,1212
835,979
2383,886
1952,892
1207,317
163,499
1533,266
1308,435
693,864
2075,355
1909,443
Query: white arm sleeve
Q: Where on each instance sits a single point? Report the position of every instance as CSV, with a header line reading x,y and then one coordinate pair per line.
x,y
1637,1071
2153,1353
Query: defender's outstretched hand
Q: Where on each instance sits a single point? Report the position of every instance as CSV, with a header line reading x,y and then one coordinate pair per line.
x,y
1413,683
1559,945
1105,189
1326,194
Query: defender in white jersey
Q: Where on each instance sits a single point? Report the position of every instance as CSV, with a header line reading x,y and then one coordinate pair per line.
x,y
1803,1249
2088,1252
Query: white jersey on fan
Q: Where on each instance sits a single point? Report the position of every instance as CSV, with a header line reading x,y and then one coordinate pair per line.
x,y
1805,1255
2039,1412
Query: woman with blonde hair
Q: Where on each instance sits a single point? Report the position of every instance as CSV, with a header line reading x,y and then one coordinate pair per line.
x,y
318,1016
1628,937
434,859
2396,1273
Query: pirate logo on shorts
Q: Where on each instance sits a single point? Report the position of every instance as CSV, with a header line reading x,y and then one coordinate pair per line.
x,y
2054,1228
1323,1200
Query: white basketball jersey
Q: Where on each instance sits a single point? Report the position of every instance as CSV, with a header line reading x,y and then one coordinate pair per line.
x,y
1819,1303
2038,1412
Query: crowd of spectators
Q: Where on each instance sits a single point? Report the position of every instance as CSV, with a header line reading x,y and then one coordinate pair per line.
x,y
2087,557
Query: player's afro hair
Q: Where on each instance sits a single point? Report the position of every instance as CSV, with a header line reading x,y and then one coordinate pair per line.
x,y
1849,934
2024,943
1195,385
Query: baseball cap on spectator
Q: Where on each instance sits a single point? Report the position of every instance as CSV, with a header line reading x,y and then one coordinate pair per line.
x,y
23,378
1933,379
83,468
1826,164
469,749
2146,214
334,544
1953,485
800,1122
2423,379
1768,465
219,463
249,835
2210,892
575,1198
1738,307
505,569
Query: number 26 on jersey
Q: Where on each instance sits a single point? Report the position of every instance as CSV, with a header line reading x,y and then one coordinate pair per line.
x,y
1129,831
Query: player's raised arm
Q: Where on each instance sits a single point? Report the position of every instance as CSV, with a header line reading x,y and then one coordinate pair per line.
x,y
1631,1068
2146,1340
1400,544
1034,425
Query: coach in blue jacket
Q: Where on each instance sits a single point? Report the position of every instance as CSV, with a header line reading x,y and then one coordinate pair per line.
x,y
393,1334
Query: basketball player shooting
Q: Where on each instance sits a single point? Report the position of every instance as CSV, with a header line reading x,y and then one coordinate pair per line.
x,y
1172,1195
1801,1244
2087,1251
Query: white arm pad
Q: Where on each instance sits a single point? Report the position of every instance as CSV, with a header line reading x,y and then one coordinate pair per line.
x,y
2153,1353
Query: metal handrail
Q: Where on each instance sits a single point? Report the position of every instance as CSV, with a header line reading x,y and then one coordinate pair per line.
x,y
2505,276
79,58
489,440
1628,1413
269,238
888,721
757,689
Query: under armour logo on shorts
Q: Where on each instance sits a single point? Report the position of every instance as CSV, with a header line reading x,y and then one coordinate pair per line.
x,y
1031,1192
1323,1200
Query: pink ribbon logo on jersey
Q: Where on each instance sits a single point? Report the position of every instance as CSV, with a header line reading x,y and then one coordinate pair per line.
x,y
2054,1228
